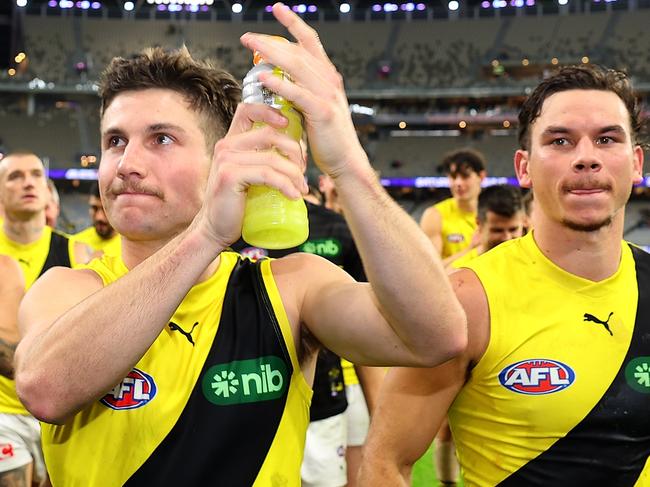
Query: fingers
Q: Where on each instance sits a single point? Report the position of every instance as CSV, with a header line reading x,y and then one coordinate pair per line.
x,y
312,107
247,115
306,61
263,139
305,35
240,170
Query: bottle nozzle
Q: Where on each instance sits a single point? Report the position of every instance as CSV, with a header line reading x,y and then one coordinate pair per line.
x,y
257,56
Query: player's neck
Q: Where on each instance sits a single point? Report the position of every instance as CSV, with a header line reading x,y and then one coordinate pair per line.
x,y
24,231
591,255
467,206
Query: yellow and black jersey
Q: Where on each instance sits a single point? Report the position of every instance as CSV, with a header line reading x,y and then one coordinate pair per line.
x,y
50,250
218,399
562,394
89,236
463,260
457,227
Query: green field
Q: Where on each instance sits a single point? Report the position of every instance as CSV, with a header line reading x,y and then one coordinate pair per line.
x,y
424,473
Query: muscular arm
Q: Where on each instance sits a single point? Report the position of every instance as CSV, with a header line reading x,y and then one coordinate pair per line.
x,y
76,328
413,402
431,225
408,313
409,304
12,288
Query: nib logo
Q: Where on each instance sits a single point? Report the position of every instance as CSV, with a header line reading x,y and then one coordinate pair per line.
x,y
637,374
325,247
244,381
225,383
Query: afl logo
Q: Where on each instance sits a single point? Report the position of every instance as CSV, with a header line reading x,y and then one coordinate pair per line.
x,y
455,238
134,391
537,377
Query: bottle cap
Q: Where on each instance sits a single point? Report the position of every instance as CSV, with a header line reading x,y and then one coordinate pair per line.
x,y
257,56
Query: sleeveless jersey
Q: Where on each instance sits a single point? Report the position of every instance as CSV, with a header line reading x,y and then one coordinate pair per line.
x,y
329,237
457,227
89,236
218,399
463,260
50,250
561,395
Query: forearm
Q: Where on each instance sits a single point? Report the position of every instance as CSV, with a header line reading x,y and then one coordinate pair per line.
x,y
378,470
100,339
406,275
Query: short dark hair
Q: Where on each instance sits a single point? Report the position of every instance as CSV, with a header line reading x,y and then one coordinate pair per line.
x,y
462,159
585,77
210,90
503,199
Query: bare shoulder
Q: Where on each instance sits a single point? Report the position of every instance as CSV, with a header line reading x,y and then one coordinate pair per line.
x,y
431,215
10,269
471,294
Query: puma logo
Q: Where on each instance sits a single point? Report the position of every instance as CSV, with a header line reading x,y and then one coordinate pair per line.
x,y
605,323
187,334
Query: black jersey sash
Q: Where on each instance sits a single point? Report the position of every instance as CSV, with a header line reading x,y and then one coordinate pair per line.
x,y
611,444
58,254
214,444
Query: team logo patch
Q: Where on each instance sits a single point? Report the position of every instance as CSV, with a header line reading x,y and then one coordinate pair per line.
x,y
637,374
134,391
455,238
244,381
325,247
537,377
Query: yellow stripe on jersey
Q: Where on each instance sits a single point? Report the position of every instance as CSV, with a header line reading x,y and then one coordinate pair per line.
x,y
280,468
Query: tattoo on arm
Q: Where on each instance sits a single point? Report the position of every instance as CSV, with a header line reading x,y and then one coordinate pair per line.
x,y
7,351
15,478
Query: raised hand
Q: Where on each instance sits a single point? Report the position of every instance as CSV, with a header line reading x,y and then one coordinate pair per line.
x,y
316,90
245,157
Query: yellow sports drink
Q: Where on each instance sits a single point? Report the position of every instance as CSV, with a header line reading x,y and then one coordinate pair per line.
x,y
271,220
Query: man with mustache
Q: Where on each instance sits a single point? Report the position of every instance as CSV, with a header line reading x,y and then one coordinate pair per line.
x,y
181,363
100,236
36,247
554,386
